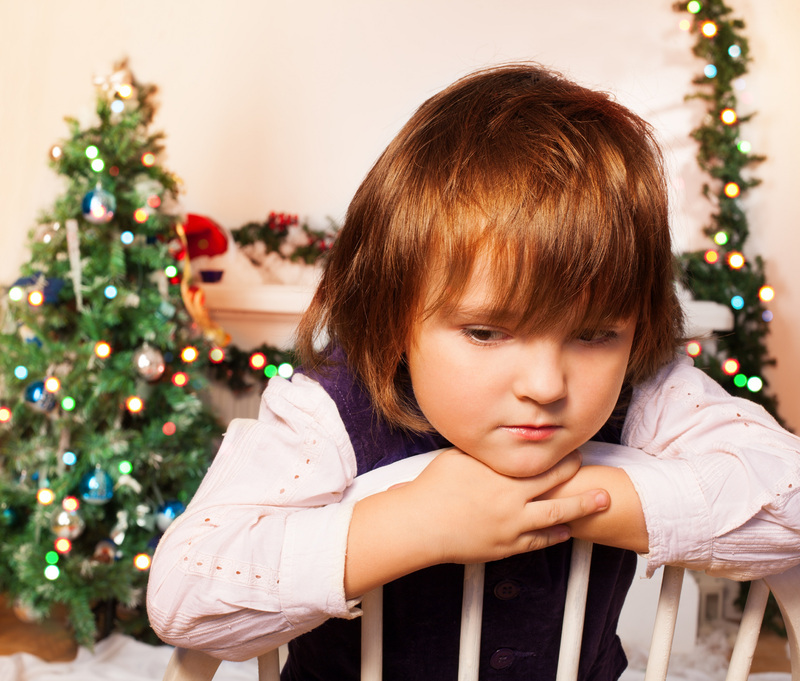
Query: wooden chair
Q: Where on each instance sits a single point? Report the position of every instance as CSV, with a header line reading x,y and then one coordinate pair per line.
x,y
191,665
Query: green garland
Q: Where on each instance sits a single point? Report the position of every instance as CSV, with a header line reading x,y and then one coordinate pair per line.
x,y
722,272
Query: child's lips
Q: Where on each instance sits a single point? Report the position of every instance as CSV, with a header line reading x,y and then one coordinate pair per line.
x,y
533,433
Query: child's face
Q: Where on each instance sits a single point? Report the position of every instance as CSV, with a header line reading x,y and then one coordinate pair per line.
x,y
519,403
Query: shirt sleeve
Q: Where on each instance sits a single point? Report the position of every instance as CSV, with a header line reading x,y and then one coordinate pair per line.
x,y
257,558
723,497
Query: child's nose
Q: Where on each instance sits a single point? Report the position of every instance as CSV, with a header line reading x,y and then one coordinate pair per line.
x,y
542,376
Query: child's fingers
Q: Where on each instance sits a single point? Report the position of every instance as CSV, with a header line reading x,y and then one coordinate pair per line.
x,y
552,513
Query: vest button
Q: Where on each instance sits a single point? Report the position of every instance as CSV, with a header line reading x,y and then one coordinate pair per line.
x,y
502,658
507,589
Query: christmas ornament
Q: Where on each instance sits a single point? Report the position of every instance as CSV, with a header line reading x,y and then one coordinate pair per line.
x,y
203,237
38,398
98,206
149,362
105,552
96,487
167,512
117,533
67,524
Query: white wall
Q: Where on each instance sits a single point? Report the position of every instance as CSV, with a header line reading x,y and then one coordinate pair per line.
x,y
277,105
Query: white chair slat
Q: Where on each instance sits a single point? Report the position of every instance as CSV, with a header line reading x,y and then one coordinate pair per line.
x,y
269,666
372,636
574,611
664,625
749,628
469,651
786,589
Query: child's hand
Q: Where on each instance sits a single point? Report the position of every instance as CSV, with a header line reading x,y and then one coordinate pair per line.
x,y
459,511
468,513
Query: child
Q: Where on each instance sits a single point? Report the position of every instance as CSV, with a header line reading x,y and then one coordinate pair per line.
x,y
503,285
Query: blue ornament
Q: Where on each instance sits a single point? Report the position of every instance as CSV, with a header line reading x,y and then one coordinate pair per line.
x,y
96,487
167,512
98,206
38,398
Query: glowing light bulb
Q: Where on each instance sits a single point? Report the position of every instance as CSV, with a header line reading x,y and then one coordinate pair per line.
x,y
270,370
70,504
51,557
171,271
134,404
189,354
52,384
693,349
734,51
767,316
735,260
708,29
118,106
141,215
732,190
55,152
728,116
52,572
69,458
68,403
180,379
16,293
102,349
216,355
258,360
684,24
98,165
766,293
45,496
169,428
711,256
92,151
21,372
740,380
754,384
63,545
110,292
285,370
154,201
126,238
730,367
148,159
737,302
125,90
720,238
141,561
744,146
5,414
694,7
35,298
710,70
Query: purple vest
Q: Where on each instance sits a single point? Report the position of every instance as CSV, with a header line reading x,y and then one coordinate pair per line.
x,y
523,601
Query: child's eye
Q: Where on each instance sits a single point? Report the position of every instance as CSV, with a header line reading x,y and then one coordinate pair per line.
x,y
479,334
598,337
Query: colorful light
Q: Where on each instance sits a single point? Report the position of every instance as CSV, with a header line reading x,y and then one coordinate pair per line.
x,y
732,190
180,379
169,428
126,238
285,370
51,557
767,316
754,384
98,165
270,370
148,159
154,201
258,361
711,256
125,90
21,372
5,414
35,298
63,545
56,152
766,293
52,572
730,367
141,215
710,71
735,260
102,349
141,561
92,151
69,458
45,496
735,51
744,146
52,384
737,302
708,29
694,7
189,354
134,404
110,292
216,355
171,271
70,504
740,380
68,403
684,24
16,293
125,467
728,116
118,106
721,238
693,349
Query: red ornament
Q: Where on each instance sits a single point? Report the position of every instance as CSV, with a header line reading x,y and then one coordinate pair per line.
x,y
204,236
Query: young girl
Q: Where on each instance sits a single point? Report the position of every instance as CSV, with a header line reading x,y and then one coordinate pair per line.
x,y
502,286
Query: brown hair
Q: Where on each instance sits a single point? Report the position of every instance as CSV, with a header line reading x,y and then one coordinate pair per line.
x,y
561,187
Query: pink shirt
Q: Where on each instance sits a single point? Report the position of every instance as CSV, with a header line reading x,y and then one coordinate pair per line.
x,y
257,558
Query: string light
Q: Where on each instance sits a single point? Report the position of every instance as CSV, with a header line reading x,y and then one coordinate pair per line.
x,y
740,380
69,458
35,298
732,190
125,467
141,561
737,302
684,24
5,414
68,403
258,361
92,151
148,159
735,260
754,384
110,292
711,256
180,379
141,215
45,496
171,271
169,428
21,372
766,293
730,367
270,370
126,238
694,7
63,545
189,354
693,349
70,504
735,51
708,29
98,165
744,146
216,355
767,316
52,384
285,370
134,404
16,293
710,71
52,572
102,349
728,116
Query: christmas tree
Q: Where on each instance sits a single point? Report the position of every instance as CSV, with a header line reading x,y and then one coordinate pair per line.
x,y
724,272
103,434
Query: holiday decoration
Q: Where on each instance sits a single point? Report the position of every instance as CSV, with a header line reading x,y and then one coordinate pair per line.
x,y
167,512
726,273
91,326
98,206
